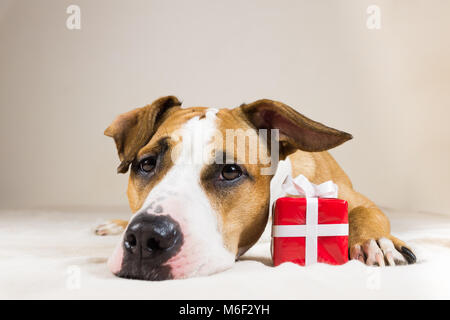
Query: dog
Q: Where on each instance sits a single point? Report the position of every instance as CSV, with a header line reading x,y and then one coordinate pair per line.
x,y
194,218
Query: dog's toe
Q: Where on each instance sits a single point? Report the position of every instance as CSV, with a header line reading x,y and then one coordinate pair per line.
x,y
381,252
373,253
356,253
112,227
392,256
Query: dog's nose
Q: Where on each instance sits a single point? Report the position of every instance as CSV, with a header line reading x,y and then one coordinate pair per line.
x,y
149,242
152,236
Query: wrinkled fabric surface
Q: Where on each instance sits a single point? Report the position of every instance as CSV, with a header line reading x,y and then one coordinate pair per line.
x,y
54,254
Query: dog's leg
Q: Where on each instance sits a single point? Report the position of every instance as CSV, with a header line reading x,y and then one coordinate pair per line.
x,y
370,239
111,227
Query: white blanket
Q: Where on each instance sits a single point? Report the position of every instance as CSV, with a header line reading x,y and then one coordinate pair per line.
x,y
46,254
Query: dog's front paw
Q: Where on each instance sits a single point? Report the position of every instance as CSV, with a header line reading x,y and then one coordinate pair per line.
x,y
382,251
111,227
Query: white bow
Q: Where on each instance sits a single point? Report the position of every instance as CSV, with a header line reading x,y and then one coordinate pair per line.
x,y
301,186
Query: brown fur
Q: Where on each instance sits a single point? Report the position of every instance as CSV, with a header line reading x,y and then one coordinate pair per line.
x,y
244,212
366,220
243,221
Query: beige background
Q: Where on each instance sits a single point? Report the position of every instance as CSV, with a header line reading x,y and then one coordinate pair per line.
x,y
59,89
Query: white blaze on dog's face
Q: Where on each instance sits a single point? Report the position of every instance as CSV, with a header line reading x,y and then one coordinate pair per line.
x,y
196,213
181,195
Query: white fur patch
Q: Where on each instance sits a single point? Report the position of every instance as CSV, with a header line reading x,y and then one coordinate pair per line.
x,y
180,195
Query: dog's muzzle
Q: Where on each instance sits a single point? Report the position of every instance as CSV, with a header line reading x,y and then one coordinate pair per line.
x,y
149,242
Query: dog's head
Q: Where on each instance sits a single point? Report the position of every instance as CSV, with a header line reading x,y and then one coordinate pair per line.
x,y
199,181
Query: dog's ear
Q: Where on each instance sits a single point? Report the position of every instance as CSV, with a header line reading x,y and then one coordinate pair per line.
x,y
295,130
132,130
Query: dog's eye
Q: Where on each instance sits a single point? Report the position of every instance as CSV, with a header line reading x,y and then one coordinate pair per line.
x,y
148,164
231,172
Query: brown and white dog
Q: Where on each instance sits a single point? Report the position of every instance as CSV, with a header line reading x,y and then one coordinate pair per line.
x,y
197,217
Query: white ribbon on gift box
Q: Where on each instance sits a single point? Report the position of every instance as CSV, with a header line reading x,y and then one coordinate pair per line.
x,y
301,186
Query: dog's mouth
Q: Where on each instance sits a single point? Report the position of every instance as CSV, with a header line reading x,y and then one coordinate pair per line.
x,y
181,266
155,248
150,274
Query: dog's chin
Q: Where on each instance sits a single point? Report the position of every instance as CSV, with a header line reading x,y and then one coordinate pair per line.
x,y
179,269
200,261
149,274
191,261
200,267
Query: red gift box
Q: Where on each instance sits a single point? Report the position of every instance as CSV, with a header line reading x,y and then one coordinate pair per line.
x,y
309,230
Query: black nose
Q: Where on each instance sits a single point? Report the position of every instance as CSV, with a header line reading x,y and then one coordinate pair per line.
x,y
148,243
